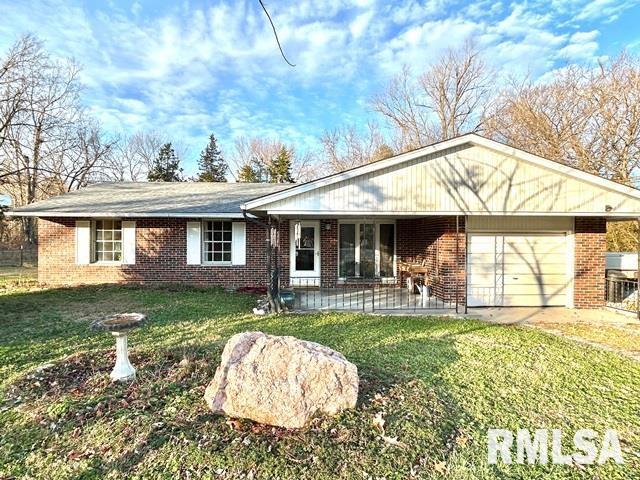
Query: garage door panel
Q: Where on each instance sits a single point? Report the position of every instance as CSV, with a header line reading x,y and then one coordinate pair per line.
x,y
481,279
530,258
517,270
541,249
533,289
544,268
553,300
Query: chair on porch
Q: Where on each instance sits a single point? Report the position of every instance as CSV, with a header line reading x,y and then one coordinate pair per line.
x,y
416,278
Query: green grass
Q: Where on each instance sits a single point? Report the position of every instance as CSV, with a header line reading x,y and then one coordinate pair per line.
x,y
440,384
17,277
625,338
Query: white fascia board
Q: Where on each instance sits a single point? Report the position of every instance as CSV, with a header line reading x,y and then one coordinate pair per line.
x,y
360,214
472,139
124,215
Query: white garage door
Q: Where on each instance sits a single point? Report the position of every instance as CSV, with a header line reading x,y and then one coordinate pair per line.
x,y
517,270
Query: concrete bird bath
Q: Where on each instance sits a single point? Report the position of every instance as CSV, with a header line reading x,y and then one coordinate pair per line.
x,y
119,325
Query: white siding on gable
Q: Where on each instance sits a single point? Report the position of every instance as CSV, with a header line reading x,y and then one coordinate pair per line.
x,y
461,180
83,242
239,243
194,243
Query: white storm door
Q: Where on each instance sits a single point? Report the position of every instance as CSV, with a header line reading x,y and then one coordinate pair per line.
x,y
305,251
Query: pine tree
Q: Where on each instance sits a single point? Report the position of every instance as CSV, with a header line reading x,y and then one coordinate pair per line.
x,y
280,167
166,166
247,174
212,166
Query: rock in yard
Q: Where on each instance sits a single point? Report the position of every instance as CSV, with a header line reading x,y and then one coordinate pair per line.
x,y
281,381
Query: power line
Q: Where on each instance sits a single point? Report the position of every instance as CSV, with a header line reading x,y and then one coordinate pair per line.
x,y
275,33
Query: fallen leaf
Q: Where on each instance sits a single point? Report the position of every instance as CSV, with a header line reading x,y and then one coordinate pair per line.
x,y
393,441
440,467
378,422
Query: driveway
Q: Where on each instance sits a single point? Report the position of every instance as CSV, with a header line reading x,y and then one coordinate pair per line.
x,y
604,328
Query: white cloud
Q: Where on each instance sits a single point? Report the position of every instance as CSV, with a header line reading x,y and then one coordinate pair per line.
x,y
192,68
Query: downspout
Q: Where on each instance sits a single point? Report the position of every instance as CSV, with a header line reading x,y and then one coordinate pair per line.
x,y
273,288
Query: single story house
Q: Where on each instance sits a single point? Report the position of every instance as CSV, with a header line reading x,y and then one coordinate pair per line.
x,y
490,225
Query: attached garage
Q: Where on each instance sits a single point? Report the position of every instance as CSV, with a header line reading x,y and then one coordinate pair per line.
x,y
529,263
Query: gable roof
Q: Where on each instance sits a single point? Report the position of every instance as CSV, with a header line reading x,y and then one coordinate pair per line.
x,y
442,148
151,199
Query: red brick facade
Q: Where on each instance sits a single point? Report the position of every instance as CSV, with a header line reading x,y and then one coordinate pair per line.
x,y
329,252
161,256
433,241
590,258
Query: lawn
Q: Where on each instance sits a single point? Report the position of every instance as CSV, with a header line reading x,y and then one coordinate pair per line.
x,y
439,384
17,277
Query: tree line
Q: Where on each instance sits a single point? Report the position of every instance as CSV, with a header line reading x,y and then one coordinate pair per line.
x,y
587,116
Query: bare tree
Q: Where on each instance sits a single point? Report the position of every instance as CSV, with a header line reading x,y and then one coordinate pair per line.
x,y
258,154
458,88
130,157
584,117
401,104
15,72
448,99
347,147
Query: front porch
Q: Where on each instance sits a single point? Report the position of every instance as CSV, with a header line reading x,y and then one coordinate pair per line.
x,y
367,296
403,264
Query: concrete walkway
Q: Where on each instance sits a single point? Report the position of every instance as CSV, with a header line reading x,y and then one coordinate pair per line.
x,y
550,315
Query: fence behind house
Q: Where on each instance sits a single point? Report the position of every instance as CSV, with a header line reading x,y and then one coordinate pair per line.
x,y
19,257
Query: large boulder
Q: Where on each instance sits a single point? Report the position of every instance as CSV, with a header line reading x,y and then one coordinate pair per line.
x,y
281,381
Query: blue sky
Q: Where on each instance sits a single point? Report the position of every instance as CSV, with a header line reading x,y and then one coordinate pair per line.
x,y
194,67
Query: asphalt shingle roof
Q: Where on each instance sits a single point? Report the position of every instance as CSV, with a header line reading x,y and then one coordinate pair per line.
x,y
147,199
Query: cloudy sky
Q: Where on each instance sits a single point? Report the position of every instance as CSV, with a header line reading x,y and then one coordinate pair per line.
x,y
194,67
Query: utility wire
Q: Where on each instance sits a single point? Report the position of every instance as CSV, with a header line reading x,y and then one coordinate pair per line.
x,y
275,33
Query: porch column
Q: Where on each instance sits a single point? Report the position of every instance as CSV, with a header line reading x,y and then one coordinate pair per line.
x,y
328,253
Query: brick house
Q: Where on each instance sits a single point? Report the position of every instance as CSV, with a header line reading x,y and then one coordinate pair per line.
x,y
483,223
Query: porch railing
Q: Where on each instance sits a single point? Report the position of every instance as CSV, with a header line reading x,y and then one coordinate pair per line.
x,y
366,295
622,293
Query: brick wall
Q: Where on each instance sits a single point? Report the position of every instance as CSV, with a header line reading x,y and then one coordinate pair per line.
x,y
590,258
432,240
329,252
161,257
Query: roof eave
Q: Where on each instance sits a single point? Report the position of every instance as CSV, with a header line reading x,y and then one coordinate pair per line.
x,y
126,215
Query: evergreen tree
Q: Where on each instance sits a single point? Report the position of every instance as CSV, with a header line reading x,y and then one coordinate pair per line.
x,y
280,167
247,174
166,166
212,166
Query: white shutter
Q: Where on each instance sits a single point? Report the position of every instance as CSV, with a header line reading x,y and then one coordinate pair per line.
x,y
83,242
239,244
128,242
194,243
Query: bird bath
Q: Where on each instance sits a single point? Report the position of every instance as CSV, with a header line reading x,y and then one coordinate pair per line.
x,y
119,325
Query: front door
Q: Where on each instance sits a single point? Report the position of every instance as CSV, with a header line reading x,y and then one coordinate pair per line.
x,y
305,253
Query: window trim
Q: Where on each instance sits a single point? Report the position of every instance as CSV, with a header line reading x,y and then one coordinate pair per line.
x,y
377,224
94,240
203,251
